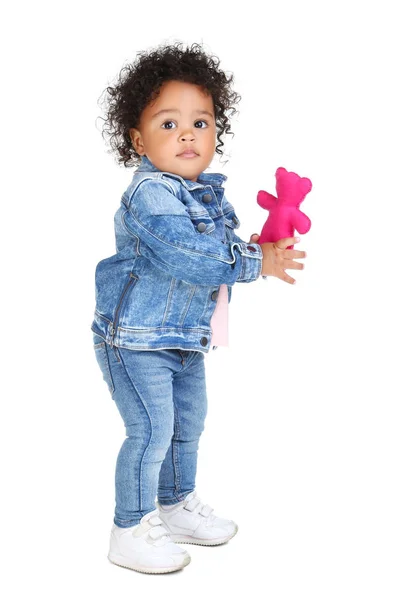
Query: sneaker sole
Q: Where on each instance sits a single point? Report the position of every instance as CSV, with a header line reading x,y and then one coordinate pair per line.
x,y
122,561
187,539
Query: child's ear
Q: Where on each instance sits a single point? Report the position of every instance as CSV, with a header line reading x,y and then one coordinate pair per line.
x,y
136,139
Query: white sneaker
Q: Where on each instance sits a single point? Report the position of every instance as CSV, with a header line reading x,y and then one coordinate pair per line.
x,y
192,522
146,547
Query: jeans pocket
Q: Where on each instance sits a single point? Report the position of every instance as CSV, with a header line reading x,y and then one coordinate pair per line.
x,y
101,353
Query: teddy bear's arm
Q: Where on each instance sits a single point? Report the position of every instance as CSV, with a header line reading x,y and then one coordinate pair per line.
x,y
301,222
266,200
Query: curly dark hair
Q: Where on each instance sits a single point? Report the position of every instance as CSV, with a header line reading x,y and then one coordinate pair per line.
x,y
140,82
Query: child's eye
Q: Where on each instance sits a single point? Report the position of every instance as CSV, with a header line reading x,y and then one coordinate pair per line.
x,y
166,123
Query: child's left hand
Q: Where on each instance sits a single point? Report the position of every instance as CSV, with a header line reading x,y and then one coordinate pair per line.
x,y
254,238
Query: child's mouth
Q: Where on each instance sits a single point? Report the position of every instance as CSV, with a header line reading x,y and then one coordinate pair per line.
x,y
188,154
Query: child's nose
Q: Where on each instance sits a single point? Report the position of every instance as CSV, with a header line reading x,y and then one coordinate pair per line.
x,y
187,136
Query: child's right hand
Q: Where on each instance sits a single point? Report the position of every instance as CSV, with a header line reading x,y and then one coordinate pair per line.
x,y
276,258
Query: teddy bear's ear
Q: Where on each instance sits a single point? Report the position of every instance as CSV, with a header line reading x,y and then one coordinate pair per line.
x,y
306,185
280,171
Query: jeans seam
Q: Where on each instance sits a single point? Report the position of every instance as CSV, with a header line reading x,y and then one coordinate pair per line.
x,y
149,441
175,457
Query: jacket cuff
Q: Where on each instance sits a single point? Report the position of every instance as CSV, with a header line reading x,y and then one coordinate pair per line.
x,y
252,257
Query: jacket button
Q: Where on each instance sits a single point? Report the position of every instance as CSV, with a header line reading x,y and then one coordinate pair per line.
x,y
201,227
203,341
214,295
251,249
235,220
207,198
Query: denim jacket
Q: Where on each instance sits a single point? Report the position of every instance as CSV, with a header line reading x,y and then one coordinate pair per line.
x,y
175,245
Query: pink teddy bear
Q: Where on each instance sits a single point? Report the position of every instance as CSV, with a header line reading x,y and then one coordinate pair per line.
x,y
284,214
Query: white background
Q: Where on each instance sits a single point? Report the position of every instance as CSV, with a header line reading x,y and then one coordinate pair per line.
x,y
301,446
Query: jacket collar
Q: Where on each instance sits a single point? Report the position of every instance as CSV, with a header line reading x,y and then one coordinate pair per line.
x,y
214,179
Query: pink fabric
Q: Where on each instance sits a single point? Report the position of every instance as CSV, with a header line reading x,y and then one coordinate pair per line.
x,y
219,319
284,213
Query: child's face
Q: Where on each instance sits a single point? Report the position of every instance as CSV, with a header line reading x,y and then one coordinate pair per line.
x,y
188,122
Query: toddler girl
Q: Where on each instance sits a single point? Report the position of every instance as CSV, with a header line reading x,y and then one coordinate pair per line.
x,y
162,299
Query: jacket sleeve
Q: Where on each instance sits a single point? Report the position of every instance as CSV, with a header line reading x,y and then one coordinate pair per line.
x,y
236,238
172,243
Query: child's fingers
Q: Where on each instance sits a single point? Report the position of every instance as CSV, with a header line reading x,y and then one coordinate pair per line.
x,y
285,277
285,242
254,237
291,264
294,254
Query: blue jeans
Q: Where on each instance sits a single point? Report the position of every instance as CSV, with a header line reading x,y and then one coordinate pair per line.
x,y
161,397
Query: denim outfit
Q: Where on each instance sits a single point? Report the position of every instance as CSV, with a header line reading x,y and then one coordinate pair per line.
x,y
175,245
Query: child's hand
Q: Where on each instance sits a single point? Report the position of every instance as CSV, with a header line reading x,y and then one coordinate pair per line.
x,y
276,258
254,238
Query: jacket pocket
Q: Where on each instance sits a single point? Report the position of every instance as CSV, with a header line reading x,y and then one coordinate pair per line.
x,y
121,304
231,223
100,350
202,222
231,220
